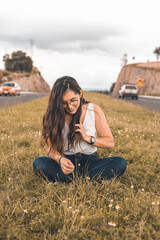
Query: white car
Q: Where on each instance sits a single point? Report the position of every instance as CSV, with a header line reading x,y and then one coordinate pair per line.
x,y
128,90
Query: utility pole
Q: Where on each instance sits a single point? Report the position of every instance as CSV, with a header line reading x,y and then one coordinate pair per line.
x,y
31,42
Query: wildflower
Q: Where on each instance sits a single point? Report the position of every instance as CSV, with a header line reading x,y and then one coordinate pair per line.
x,y
110,223
77,210
113,224
157,202
73,211
55,183
70,207
142,189
9,179
79,164
132,186
117,206
153,203
25,211
110,205
82,217
64,201
111,200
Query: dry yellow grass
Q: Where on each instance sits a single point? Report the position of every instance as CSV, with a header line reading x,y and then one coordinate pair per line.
x,y
123,208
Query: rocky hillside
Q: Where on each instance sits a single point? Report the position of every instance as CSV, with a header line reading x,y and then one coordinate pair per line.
x,y
149,72
32,82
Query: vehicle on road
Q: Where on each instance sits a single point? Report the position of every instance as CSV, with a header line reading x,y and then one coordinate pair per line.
x,y
10,88
128,90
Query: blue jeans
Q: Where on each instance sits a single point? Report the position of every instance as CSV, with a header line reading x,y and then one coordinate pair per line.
x,y
85,165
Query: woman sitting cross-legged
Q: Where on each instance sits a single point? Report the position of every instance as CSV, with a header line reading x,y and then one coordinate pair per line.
x,y
70,127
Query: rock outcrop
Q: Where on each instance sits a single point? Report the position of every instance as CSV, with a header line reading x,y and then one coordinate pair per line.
x,y
149,73
32,82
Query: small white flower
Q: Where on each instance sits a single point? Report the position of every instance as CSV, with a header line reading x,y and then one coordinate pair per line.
x,y
114,224
55,183
132,186
157,202
82,217
111,200
25,211
64,201
142,189
110,205
73,211
70,207
110,223
9,179
153,203
117,206
77,210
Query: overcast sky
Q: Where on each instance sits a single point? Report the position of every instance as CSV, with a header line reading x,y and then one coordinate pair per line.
x,y
85,39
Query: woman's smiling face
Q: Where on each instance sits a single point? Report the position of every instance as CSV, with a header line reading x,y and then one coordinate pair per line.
x,y
71,101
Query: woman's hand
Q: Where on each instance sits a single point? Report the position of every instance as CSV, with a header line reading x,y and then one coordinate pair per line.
x,y
80,129
66,165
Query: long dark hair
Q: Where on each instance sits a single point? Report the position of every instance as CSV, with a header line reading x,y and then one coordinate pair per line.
x,y
54,118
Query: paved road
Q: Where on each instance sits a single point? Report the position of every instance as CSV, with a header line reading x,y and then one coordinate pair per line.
x,y
151,103
6,101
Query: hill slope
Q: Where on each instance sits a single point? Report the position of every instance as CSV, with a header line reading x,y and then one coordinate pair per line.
x,y
33,81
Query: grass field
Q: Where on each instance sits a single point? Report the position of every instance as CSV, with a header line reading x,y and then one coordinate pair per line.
x,y
123,208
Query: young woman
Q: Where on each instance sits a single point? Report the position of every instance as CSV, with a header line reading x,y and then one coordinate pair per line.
x,y
70,127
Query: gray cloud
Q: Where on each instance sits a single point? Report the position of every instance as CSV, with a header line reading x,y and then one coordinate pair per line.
x,y
66,37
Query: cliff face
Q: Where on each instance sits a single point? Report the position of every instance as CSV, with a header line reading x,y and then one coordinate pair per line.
x,y
32,82
149,72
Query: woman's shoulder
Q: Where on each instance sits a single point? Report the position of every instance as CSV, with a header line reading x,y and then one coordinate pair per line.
x,y
96,108
92,106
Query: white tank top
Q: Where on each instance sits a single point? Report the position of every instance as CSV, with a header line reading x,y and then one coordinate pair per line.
x,y
90,129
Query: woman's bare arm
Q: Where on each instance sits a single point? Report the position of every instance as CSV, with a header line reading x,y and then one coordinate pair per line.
x,y
105,139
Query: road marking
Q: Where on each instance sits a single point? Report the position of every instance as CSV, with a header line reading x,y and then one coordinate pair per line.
x,y
152,97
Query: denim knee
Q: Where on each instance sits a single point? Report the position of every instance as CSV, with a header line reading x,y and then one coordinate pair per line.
x,y
37,164
122,163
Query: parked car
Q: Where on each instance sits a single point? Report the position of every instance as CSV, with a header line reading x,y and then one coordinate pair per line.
x,y
10,88
128,90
